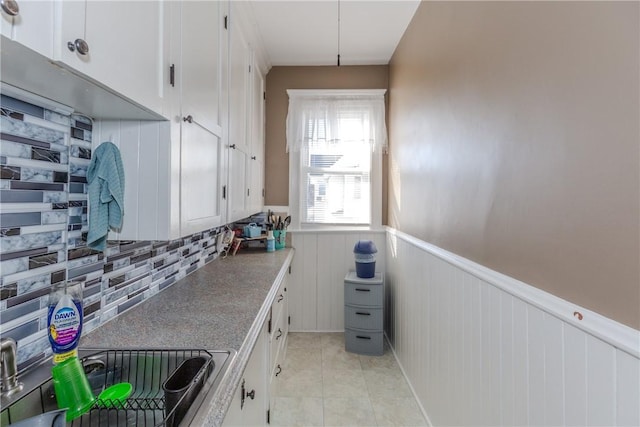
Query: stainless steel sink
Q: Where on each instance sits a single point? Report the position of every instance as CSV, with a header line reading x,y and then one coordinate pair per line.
x,y
145,369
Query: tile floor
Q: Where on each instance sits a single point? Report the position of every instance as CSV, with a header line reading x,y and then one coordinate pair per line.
x,y
323,385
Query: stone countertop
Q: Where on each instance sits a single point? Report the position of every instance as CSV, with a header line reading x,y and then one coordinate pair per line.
x,y
219,306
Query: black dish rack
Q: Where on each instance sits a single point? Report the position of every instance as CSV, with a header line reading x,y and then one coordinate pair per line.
x,y
146,370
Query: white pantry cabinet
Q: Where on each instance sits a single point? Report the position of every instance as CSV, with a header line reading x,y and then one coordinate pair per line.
x,y
116,44
31,26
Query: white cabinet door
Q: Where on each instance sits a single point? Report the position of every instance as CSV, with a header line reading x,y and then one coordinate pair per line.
x,y
239,149
249,405
6,24
32,26
124,41
200,180
239,71
238,187
199,77
256,165
200,69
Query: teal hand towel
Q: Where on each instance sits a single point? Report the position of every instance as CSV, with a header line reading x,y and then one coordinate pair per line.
x,y
106,194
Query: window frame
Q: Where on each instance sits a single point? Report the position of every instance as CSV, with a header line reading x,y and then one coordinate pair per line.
x,y
296,179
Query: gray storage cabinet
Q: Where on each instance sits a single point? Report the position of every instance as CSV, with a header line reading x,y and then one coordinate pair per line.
x,y
363,314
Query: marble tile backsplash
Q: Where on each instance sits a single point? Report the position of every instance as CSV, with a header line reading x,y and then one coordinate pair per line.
x,y
44,158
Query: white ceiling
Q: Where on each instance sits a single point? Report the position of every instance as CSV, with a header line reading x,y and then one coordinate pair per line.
x,y
305,32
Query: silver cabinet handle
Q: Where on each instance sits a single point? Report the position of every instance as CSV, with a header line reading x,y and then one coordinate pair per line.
x,y
10,7
80,45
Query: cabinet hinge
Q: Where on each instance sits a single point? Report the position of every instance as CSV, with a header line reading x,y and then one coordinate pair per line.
x,y
226,22
289,269
224,192
268,416
289,320
264,95
247,192
269,327
172,75
249,68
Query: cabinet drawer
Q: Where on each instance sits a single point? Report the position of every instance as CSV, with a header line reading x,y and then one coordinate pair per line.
x,y
364,342
363,318
369,295
280,301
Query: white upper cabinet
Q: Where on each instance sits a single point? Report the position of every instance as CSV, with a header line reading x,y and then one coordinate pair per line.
x,y
31,24
246,123
199,76
256,165
117,44
239,102
178,168
200,72
239,83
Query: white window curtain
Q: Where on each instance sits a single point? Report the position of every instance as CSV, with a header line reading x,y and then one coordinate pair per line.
x,y
357,116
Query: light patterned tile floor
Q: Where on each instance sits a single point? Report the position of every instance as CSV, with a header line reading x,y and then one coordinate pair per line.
x,y
323,385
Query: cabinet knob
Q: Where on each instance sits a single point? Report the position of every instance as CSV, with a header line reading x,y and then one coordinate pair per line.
x,y
188,119
233,146
10,7
251,394
253,157
80,45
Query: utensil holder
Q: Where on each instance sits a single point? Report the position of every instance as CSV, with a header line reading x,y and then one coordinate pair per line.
x,y
178,392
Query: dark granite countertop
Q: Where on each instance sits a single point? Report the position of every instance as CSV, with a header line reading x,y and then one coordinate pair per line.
x,y
220,306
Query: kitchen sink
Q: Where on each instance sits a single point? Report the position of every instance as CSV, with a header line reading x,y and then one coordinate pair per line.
x,y
145,369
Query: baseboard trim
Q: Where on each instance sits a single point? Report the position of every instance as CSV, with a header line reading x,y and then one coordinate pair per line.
x,y
404,374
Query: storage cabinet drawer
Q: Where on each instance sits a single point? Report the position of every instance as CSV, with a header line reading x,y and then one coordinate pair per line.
x,y
369,295
280,301
363,318
364,342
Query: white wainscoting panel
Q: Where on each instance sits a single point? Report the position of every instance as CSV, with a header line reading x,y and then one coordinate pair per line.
x,y
322,260
479,348
145,149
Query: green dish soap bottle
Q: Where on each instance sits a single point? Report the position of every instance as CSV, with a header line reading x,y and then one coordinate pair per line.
x,y
64,320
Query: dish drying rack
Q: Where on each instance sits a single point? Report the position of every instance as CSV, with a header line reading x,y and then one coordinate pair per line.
x,y
146,370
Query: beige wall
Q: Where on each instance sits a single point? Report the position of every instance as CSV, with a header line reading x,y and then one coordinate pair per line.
x,y
279,79
514,132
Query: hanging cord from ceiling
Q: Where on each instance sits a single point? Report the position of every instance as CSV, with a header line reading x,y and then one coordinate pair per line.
x,y
338,33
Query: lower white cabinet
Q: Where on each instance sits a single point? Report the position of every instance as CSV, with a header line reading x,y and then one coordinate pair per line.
x,y
249,405
252,403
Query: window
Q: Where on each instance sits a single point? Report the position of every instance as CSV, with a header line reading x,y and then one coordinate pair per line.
x,y
335,139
